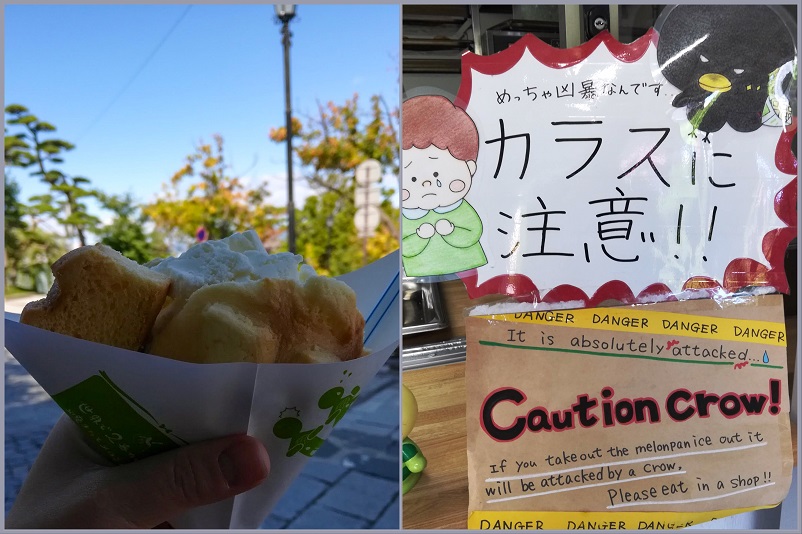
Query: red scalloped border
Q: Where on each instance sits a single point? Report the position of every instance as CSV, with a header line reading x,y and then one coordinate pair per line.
x,y
556,58
740,272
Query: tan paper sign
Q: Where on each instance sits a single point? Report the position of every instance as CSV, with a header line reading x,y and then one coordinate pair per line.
x,y
666,408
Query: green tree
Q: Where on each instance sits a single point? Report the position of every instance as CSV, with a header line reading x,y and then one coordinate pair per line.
x,y
28,249
32,148
203,194
13,227
126,233
331,146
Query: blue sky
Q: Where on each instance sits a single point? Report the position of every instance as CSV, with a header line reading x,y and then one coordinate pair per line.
x,y
219,71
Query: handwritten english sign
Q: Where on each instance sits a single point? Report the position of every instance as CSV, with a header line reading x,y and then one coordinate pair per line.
x,y
600,172
673,408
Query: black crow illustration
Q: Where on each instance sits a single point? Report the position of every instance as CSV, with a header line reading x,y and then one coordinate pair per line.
x,y
721,58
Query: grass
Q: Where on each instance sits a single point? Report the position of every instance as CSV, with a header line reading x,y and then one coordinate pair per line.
x,y
14,292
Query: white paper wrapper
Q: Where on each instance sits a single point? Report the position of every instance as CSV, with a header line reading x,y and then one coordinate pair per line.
x,y
136,404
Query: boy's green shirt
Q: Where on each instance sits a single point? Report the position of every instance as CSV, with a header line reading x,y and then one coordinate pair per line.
x,y
453,253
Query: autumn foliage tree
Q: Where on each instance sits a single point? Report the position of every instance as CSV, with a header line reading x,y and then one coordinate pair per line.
x,y
330,147
203,195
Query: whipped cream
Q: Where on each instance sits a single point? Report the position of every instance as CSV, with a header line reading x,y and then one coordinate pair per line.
x,y
239,257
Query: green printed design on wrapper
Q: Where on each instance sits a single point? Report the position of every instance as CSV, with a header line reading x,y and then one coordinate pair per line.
x,y
337,402
290,426
304,441
117,426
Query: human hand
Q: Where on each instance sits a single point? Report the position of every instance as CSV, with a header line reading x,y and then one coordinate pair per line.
x,y
444,226
425,230
72,486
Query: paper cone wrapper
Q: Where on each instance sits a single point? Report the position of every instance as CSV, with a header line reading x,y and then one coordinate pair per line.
x,y
131,405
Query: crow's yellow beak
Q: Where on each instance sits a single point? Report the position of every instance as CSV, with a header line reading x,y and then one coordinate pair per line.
x,y
715,82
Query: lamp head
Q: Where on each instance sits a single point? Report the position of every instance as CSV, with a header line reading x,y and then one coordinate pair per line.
x,y
285,12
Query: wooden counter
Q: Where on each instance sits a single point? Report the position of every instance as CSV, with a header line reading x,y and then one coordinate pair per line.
x,y
440,498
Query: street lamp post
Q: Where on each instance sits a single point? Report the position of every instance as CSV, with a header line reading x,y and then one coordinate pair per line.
x,y
285,13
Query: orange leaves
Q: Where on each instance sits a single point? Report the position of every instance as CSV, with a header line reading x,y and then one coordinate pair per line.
x,y
330,147
278,135
213,199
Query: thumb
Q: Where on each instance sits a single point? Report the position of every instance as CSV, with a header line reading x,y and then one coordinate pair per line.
x,y
148,492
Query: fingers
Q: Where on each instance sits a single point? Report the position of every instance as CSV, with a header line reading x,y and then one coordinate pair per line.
x,y
58,487
66,451
146,493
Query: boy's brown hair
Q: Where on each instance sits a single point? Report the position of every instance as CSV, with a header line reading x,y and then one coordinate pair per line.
x,y
433,120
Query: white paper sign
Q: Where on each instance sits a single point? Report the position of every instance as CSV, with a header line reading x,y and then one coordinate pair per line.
x,y
596,174
588,174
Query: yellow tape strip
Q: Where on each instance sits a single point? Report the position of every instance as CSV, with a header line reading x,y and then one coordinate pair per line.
x,y
485,520
655,322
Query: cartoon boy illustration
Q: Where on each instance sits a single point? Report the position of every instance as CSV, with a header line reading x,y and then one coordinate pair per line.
x,y
440,229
